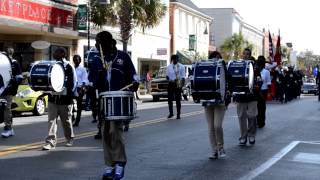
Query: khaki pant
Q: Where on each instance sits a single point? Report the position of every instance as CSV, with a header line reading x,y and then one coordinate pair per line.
x,y
7,112
247,113
113,143
65,114
215,115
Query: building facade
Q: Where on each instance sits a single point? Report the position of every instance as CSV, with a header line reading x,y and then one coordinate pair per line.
x,y
151,48
255,37
227,21
23,22
189,30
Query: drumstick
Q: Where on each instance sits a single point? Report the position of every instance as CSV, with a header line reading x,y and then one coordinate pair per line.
x,y
102,56
126,87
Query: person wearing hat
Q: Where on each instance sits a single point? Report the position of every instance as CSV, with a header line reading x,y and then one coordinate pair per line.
x,y
176,77
118,73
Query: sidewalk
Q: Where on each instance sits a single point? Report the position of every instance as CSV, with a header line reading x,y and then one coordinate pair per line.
x,y
144,98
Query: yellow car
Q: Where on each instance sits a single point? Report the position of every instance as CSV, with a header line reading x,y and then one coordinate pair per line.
x,y
28,100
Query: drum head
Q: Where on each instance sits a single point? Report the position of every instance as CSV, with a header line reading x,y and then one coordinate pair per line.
x,y
251,76
57,78
5,72
223,79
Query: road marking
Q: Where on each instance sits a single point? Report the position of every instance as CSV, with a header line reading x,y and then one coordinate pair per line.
x,y
263,167
311,158
37,145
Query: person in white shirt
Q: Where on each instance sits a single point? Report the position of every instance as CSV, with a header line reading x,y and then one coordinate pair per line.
x,y
266,83
82,82
176,78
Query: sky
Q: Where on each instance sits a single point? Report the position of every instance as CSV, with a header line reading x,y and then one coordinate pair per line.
x,y
297,20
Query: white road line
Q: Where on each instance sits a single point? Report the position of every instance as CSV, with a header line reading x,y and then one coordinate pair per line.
x,y
263,167
311,158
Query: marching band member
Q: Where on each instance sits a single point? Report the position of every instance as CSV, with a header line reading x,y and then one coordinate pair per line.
x,y
10,91
266,85
215,115
60,104
117,73
176,76
82,82
247,108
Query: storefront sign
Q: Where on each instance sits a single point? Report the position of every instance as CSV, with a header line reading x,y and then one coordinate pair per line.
x,y
40,44
32,11
82,17
161,51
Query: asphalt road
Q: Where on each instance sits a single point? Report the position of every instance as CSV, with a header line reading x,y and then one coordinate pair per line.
x,y
288,148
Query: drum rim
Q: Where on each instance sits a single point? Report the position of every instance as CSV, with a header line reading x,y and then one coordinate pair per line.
x,y
6,83
119,93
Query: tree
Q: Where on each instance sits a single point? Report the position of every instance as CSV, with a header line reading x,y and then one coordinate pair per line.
x,y
234,45
128,14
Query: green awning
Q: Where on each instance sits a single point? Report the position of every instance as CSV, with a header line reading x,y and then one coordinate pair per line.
x,y
186,57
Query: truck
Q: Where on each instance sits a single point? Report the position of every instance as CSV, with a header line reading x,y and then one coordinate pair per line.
x,y
159,84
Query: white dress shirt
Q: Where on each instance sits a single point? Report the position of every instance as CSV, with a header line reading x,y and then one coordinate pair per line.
x,y
175,69
82,76
266,79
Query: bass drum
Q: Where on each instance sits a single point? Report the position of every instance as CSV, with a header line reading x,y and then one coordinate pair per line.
x,y
5,72
242,76
47,76
209,81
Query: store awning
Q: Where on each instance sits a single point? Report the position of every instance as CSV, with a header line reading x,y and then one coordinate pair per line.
x,y
186,57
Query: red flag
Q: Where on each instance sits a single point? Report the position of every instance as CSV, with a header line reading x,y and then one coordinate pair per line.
x,y
270,48
277,56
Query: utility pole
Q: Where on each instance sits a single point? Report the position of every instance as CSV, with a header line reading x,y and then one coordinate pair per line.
x,y
88,21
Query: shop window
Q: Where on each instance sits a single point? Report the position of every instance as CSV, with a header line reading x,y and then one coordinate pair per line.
x,y
24,54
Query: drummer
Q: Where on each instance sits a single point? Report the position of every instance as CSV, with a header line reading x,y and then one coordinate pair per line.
x,y
11,90
247,108
61,104
117,73
215,115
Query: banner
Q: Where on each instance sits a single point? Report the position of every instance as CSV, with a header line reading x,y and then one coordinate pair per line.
x,y
82,17
277,56
270,48
36,12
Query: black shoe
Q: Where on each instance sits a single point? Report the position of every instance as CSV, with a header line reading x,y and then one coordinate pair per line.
x,y
170,116
178,117
243,141
261,125
126,128
94,121
252,140
75,125
98,136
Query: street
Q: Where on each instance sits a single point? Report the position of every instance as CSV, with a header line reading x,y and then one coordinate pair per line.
x,y
288,148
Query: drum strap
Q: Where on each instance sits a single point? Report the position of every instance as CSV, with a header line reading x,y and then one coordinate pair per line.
x,y
176,71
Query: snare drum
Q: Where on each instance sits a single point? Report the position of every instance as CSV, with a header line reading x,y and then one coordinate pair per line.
x,y
5,72
117,105
47,76
242,76
209,81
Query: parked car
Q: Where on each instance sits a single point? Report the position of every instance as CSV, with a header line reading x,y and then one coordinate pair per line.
x,y
28,100
309,88
159,84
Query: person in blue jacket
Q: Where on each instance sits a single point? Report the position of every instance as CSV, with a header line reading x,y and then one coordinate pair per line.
x,y
118,72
